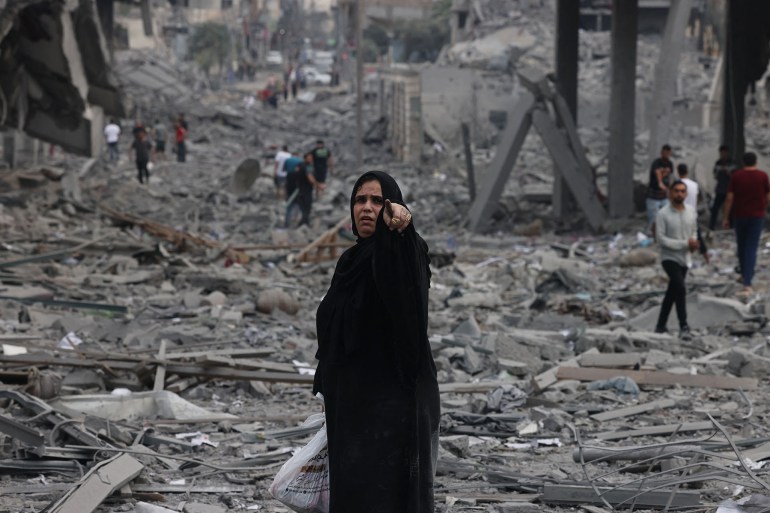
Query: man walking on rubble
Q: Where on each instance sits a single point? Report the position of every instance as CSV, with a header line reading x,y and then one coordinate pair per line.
x,y
677,234
322,164
301,181
748,193
179,137
159,131
661,172
279,172
723,168
142,150
112,136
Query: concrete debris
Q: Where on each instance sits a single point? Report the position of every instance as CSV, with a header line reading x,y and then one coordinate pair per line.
x,y
497,51
271,299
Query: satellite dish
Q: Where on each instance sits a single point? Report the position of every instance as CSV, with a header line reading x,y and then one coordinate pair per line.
x,y
245,175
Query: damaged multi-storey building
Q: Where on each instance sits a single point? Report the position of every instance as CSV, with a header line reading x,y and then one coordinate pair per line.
x,y
55,79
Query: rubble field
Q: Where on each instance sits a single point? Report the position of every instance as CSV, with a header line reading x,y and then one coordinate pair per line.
x,y
163,335
158,340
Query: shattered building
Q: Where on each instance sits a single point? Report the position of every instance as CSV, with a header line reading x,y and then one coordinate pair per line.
x,y
55,79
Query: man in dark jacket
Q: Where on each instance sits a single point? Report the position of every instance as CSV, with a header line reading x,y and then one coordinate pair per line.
x,y
723,168
142,150
302,180
661,172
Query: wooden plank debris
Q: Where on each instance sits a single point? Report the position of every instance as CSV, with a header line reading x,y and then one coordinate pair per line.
x,y
233,353
98,484
160,372
659,378
593,509
64,303
472,388
197,488
324,247
612,454
634,410
179,238
490,498
226,361
50,255
759,453
21,432
558,494
611,360
666,429
180,369
548,378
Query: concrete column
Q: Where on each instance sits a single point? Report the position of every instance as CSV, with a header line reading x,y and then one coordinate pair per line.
x,y
360,6
735,82
106,11
147,17
666,73
10,148
567,41
625,15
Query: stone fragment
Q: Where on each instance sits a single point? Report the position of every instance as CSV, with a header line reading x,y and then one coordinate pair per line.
x,y
746,364
469,327
271,299
192,299
477,299
231,316
458,445
472,361
146,507
703,312
656,357
197,507
215,298
517,507
638,258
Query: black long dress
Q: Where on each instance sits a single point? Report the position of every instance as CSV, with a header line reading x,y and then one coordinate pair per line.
x,y
377,374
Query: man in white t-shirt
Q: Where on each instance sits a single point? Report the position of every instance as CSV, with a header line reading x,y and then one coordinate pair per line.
x,y
112,135
693,191
692,187
279,173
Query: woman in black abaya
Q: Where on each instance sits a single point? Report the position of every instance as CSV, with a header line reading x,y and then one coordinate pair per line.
x,y
375,369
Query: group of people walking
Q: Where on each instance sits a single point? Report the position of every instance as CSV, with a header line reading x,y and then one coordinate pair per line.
x,y
147,144
297,178
741,197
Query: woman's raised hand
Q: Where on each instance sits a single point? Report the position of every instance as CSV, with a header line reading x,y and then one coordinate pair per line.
x,y
396,216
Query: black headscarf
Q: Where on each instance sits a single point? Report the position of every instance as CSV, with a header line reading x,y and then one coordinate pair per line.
x,y
342,319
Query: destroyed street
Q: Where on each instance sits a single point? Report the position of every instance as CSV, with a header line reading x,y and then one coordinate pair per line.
x,y
159,336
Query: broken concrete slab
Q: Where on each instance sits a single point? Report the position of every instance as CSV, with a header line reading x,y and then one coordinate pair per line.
x,y
745,363
162,404
703,312
98,484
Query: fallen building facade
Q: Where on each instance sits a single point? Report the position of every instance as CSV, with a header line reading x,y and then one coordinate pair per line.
x,y
55,79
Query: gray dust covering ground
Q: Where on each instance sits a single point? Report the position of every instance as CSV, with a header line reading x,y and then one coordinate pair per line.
x,y
174,323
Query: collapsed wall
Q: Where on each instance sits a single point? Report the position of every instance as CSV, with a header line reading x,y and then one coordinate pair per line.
x,y
55,78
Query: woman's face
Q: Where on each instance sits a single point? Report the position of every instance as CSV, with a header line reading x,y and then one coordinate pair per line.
x,y
367,204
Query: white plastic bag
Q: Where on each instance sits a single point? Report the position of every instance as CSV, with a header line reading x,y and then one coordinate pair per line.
x,y
303,481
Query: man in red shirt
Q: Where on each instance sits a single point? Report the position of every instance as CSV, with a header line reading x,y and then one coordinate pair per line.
x,y
748,194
